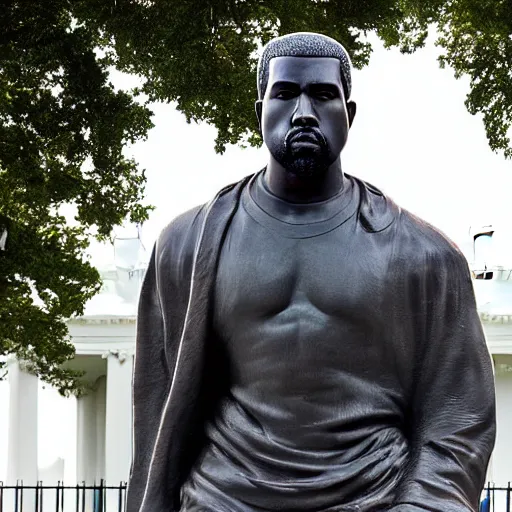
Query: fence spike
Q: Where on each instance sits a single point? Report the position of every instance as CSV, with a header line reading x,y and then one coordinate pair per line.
x,y
57,497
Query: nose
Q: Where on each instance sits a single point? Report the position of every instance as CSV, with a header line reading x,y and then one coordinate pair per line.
x,y
304,114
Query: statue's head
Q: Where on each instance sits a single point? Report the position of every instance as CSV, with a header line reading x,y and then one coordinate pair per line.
x,y
304,108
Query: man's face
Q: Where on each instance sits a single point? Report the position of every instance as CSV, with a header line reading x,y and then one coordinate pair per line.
x,y
304,116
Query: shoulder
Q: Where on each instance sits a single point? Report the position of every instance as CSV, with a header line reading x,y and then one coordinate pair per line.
x,y
181,235
173,251
181,227
428,248
415,241
426,238
376,211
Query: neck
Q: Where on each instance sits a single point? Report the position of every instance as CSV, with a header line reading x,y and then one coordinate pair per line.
x,y
296,189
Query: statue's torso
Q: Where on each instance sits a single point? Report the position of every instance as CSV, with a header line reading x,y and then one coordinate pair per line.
x,y
313,419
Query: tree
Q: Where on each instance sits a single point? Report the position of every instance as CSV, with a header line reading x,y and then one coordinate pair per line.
x,y
62,131
476,36
63,125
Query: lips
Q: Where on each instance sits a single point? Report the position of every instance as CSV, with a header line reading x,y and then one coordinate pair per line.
x,y
305,136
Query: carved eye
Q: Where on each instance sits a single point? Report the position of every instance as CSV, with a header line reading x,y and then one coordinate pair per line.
x,y
325,95
285,94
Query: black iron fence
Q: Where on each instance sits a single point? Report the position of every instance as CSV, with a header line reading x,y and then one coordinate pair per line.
x,y
61,498
104,498
496,499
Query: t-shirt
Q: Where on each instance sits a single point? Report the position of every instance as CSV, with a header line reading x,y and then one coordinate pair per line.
x,y
313,420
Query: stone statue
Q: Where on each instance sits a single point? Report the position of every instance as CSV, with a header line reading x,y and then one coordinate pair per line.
x,y
303,343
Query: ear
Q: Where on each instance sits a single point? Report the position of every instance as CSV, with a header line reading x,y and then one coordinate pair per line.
x,y
351,111
258,107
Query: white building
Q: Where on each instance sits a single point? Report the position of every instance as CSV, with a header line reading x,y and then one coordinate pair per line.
x,y
491,265
105,338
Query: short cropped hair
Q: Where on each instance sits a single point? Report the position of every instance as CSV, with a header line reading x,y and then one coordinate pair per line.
x,y
304,44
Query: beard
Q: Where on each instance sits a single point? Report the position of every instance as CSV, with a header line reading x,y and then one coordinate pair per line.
x,y
310,162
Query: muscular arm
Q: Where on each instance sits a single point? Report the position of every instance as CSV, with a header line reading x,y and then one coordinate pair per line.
x,y
453,409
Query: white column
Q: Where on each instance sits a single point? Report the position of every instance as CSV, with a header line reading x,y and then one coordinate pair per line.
x,y
86,439
22,443
118,436
90,445
91,438
503,449
489,477
101,398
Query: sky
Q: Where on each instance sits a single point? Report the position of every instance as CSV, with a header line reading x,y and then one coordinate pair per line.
x,y
412,137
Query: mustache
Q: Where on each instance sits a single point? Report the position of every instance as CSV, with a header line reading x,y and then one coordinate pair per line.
x,y
310,132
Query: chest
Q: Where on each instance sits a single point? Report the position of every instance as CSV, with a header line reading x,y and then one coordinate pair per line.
x,y
262,274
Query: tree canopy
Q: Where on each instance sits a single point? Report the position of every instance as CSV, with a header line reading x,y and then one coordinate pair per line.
x,y
62,131
63,125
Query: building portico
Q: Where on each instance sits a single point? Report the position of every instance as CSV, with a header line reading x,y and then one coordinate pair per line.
x,y
104,341
105,350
